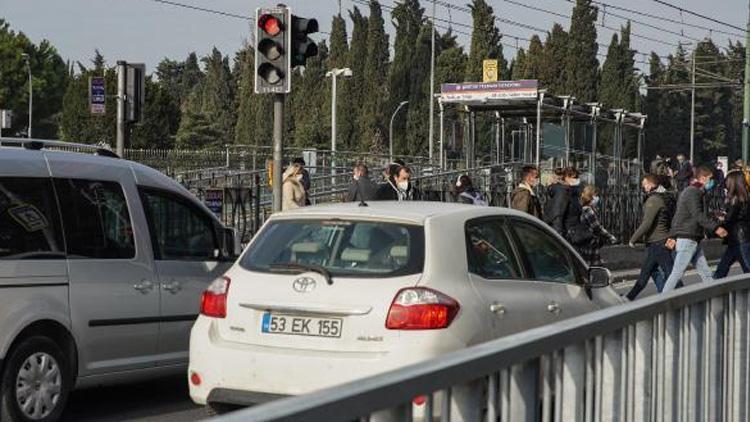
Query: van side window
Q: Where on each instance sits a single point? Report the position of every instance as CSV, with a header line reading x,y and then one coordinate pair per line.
x,y
179,231
29,221
96,219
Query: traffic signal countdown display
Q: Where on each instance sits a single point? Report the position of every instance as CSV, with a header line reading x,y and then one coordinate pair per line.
x,y
282,43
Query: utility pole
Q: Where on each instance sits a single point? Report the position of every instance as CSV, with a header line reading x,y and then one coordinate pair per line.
x,y
278,123
746,109
334,74
432,86
122,68
692,114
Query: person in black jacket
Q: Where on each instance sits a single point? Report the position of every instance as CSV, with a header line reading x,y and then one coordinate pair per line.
x,y
688,229
362,187
398,186
565,209
737,223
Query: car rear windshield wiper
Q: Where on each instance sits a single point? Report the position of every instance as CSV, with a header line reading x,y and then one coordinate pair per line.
x,y
305,267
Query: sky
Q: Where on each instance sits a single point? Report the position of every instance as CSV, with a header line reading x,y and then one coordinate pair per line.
x,y
147,31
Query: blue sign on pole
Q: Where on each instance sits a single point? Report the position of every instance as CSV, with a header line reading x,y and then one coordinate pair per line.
x,y
97,95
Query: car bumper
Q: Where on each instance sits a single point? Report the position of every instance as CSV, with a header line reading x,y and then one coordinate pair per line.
x,y
243,374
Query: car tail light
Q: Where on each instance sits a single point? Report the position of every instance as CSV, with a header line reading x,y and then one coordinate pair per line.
x,y
195,379
419,400
214,299
419,308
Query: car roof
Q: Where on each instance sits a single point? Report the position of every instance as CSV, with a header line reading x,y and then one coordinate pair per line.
x,y
408,211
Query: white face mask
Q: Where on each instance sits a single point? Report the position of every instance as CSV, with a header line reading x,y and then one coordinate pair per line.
x,y
299,177
356,177
534,183
403,185
595,201
575,182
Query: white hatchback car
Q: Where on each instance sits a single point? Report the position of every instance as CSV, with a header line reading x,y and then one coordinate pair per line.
x,y
328,294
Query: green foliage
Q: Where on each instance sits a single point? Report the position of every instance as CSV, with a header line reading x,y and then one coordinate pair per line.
x,y
354,88
372,121
312,104
485,41
161,119
554,59
418,118
77,124
49,80
582,66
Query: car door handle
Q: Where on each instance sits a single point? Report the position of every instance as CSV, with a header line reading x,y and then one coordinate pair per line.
x,y
497,308
144,286
554,307
172,287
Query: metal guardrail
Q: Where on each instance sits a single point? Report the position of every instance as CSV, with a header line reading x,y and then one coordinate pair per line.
x,y
680,356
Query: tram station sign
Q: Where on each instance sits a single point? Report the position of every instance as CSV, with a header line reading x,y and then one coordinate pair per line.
x,y
483,91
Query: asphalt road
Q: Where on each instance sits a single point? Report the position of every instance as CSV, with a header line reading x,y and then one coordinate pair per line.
x,y
166,399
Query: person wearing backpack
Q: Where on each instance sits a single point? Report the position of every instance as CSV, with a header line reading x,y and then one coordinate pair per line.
x,y
466,194
523,198
658,211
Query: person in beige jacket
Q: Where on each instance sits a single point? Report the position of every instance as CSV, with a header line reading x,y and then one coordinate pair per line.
x,y
293,193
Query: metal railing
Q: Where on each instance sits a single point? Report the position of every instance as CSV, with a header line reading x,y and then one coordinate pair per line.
x,y
682,356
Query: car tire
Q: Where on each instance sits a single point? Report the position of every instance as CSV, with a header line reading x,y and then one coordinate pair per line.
x,y
36,372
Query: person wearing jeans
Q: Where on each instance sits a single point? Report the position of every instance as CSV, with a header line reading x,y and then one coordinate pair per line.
x,y
688,226
654,230
737,223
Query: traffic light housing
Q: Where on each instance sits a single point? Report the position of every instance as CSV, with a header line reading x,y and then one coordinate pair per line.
x,y
272,59
302,46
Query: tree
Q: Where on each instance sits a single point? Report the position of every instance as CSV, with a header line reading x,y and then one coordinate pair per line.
x,y
653,108
217,96
417,126
407,18
196,132
534,59
582,66
518,65
355,86
311,108
372,120
713,107
485,41
161,119
49,80
735,70
553,75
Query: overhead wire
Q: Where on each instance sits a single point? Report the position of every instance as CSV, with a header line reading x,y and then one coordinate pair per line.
x,y
690,12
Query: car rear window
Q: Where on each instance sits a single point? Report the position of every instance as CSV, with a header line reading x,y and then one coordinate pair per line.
x,y
351,248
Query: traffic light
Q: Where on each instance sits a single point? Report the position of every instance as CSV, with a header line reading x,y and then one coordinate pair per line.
x,y
272,65
302,46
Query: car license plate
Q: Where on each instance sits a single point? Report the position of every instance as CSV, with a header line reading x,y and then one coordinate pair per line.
x,y
301,325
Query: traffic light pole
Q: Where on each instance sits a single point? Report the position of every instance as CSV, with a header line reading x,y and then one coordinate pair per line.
x,y
278,124
121,124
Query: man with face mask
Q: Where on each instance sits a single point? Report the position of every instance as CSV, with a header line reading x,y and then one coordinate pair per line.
x,y
658,211
688,226
362,187
524,197
398,186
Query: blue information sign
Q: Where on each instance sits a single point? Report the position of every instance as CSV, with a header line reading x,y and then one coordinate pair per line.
x,y
97,95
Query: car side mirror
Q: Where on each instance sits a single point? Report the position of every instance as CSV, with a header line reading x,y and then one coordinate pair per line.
x,y
599,277
232,242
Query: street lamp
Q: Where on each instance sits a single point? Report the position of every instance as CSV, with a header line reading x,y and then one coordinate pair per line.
x,y
31,89
390,131
334,74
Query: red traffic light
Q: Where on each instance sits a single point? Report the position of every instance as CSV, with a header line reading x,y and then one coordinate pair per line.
x,y
270,24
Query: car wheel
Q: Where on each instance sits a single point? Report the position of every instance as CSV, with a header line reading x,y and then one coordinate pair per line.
x,y
36,382
216,409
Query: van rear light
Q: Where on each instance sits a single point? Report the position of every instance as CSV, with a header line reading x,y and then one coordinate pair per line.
x,y
420,308
214,298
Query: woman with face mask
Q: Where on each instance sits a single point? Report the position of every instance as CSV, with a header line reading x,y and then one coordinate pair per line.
x,y
293,192
590,218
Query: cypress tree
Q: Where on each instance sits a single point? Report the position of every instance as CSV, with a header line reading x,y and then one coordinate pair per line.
x,y
518,65
735,70
653,108
218,96
352,102
534,59
311,108
713,108
161,119
582,66
248,101
418,111
485,41
407,17
372,126
554,61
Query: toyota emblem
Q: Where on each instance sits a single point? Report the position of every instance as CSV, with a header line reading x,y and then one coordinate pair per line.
x,y
304,284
